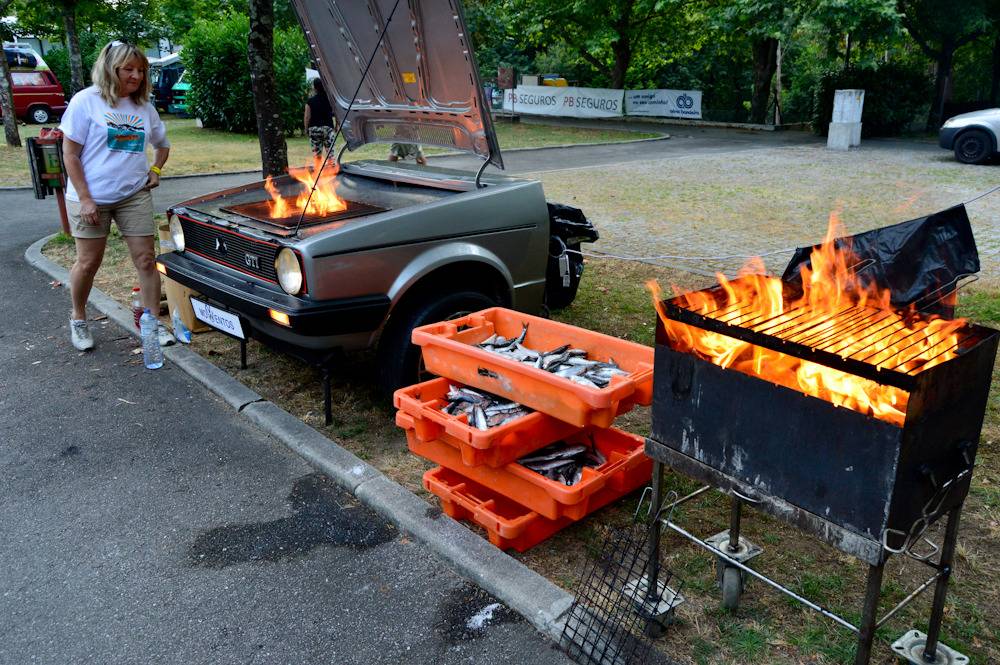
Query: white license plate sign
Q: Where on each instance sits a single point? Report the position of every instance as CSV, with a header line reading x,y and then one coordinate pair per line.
x,y
217,318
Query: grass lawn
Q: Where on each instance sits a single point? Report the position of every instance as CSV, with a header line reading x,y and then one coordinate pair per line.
x,y
727,203
196,150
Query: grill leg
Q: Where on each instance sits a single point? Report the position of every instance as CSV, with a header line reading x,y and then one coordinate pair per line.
x,y
941,590
873,591
654,628
735,513
327,406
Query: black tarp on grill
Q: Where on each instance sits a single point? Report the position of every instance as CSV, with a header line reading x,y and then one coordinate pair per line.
x,y
916,260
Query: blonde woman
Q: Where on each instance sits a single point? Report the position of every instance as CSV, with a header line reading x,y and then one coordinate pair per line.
x,y
106,128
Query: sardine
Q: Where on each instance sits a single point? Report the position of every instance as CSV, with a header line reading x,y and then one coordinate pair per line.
x,y
524,333
549,465
559,451
479,418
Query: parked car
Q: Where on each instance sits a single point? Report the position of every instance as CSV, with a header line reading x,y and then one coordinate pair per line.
x,y
410,245
975,137
38,96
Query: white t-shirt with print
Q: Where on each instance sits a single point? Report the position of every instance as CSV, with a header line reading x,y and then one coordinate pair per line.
x,y
114,143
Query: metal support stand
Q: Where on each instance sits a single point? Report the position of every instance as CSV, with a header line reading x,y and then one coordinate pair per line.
x,y
917,648
243,353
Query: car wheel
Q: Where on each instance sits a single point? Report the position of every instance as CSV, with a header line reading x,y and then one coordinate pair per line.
x,y
973,147
40,115
399,359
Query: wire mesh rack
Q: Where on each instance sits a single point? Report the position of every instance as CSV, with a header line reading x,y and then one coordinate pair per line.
x,y
624,597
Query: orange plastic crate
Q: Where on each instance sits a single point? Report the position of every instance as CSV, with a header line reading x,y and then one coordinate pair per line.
x,y
509,525
449,350
627,468
421,415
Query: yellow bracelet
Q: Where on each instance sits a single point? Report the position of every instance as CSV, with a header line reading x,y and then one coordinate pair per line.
x,y
155,169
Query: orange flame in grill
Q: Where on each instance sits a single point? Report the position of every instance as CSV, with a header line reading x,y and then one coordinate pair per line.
x,y
324,200
832,293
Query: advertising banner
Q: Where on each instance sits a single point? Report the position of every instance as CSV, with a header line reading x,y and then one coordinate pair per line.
x,y
664,103
572,102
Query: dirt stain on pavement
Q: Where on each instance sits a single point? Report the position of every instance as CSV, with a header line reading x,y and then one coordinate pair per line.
x,y
468,611
325,514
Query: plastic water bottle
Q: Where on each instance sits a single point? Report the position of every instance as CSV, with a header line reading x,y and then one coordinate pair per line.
x,y
152,354
136,305
181,331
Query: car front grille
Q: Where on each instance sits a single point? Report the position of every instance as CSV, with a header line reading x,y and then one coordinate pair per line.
x,y
231,249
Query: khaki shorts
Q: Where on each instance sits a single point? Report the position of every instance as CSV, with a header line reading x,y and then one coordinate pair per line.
x,y
133,216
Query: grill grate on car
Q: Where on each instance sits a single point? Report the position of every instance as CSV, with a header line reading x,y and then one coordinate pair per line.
x,y
231,249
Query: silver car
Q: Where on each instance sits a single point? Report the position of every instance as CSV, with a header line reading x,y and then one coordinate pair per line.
x,y
408,245
975,137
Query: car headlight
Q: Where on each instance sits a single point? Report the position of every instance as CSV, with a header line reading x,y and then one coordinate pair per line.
x,y
948,123
177,234
289,271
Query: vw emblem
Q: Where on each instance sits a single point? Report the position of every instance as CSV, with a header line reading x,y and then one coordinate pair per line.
x,y
685,101
220,246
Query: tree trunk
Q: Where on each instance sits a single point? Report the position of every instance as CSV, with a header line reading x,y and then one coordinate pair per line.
x,y
995,82
765,59
7,104
847,51
621,48
77,81
942,85
260,51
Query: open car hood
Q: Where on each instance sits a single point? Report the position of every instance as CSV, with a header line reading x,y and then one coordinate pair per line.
x,y
423,85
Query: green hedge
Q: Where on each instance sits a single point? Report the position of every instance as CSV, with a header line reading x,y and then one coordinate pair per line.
x,y
895,95
215,58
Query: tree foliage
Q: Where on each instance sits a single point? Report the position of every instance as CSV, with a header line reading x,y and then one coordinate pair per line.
x,y
215,55
939,34
728,49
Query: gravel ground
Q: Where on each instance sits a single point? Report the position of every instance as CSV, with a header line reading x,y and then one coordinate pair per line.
x,y
754,203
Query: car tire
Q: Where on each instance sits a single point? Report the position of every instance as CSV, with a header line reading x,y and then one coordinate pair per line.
x,y
973,147
399,359
40,115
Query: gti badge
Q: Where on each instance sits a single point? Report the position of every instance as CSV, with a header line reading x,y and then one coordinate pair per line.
x,y
220,246
252,261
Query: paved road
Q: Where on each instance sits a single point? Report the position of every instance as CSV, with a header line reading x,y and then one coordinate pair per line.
x,y
144,521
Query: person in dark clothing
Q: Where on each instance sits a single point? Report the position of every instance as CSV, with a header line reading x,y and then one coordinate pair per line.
x,y
318,120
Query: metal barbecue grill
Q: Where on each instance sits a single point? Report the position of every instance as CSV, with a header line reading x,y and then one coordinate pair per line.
x,y
868,487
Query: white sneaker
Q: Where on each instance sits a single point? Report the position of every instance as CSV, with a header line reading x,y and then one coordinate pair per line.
x,y
166,339
80,335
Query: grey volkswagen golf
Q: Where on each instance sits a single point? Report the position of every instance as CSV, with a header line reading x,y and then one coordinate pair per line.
x,y
379,247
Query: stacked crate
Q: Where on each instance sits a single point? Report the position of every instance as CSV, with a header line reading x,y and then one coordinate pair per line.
x,y
479,479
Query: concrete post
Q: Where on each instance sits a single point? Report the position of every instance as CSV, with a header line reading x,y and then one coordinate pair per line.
x,y
845,128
